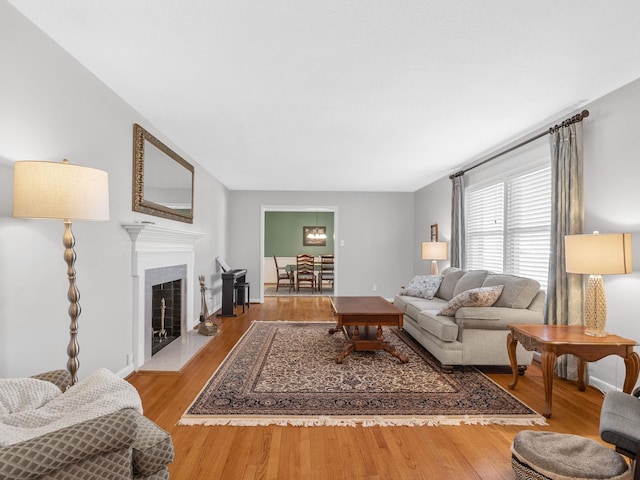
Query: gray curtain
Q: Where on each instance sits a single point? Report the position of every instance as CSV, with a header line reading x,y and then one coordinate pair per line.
x,y
565,292
457,221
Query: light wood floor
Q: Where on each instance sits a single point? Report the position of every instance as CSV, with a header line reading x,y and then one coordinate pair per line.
x,y
372,453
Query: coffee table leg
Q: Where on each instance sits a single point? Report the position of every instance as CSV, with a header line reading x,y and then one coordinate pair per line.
x,y
548,367
343,355
387,347
511,349
632,364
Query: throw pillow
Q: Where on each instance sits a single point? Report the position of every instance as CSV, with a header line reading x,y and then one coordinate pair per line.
x,y
422,286
476,297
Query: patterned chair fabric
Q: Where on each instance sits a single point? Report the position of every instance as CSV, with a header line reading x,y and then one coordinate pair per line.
x,y
305,271
326,270
121,445
60,378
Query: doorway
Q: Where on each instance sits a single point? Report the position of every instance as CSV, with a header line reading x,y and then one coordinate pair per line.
x,y
300,216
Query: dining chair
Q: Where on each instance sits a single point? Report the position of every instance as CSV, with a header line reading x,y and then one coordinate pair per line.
x,y
283,274
305,271
326,273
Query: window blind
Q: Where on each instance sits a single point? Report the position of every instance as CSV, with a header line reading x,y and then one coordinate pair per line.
x,y
508,224
485,228
528,225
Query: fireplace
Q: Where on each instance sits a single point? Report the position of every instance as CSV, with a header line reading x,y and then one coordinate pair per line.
x,y
166,314
160,255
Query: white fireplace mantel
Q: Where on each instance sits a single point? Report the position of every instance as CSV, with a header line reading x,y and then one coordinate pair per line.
x,y
155,246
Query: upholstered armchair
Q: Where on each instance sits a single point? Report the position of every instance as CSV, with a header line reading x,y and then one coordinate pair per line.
x,y
119,445
620,424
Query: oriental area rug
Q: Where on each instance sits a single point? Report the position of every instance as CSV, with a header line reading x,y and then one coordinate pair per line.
x,y
285,373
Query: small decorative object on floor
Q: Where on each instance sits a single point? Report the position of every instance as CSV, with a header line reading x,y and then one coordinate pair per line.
x,y
558,456
206,327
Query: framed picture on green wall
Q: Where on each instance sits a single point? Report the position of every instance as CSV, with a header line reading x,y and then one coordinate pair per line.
x,y
315,236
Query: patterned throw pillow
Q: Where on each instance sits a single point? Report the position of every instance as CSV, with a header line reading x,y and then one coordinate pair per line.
x,y
423,286
476,297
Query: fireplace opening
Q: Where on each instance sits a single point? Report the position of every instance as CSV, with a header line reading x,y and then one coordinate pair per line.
x,y
166,318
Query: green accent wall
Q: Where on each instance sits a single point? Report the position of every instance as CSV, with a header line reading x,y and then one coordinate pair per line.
x,y
283,233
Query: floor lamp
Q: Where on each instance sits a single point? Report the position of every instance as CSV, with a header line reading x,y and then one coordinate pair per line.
x,y
434,251
597,255
65,192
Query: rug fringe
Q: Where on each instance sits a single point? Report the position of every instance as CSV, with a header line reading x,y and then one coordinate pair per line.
x,y
325,421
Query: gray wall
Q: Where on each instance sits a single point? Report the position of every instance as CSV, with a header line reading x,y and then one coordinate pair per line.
x,y
432,204
374,232
53,108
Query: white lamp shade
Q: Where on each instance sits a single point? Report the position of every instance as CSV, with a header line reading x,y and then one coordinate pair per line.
x,y
60,191
598,254
434,250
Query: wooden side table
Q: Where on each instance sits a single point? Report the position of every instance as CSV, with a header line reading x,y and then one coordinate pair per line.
x,y
555,340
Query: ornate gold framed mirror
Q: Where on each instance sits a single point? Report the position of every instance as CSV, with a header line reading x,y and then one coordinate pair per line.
x,y
163,182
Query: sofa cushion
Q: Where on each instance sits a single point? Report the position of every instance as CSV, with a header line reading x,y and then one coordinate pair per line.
x,y
450,277
423,286
444,328
476,297
471,279
414,308
518,292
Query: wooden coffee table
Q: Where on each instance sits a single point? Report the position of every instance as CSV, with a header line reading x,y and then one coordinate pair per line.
x,y
555,340
361,319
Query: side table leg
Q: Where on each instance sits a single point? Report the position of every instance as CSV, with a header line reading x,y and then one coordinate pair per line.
x,y
632,364
511,349
581,368
548,367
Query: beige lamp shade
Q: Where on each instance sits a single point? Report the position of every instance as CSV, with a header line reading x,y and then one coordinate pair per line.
x,y
599,254
434,250
60,191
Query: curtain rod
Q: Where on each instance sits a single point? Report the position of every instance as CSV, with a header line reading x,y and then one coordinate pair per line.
x,y
576,118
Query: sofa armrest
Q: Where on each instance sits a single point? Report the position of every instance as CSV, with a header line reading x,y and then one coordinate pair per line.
x,y
52,451
60,378
620,422
495,318
152,449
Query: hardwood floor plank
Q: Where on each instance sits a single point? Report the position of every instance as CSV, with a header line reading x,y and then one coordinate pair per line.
x,y
325,453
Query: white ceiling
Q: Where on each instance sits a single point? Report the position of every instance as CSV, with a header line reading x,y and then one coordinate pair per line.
x,y
352,95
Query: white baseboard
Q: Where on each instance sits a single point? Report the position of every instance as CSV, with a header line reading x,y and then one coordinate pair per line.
x,y
126,371
604,387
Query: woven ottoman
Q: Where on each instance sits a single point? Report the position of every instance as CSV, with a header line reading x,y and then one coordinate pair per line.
x,y
558,456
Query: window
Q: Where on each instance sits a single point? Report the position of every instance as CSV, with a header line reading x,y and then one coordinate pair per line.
x,y
508,224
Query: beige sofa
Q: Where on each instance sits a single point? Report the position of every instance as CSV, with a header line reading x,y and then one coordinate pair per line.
x,y
476,335
120,445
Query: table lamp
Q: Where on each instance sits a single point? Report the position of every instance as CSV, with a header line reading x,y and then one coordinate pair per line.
x,y
596,255
434,251
68,192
